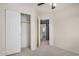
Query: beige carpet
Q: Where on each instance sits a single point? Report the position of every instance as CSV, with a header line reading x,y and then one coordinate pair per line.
x,y
45,50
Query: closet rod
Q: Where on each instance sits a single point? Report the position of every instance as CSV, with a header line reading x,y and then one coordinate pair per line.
x,y
25,22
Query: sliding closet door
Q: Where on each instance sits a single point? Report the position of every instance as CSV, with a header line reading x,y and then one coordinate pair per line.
x,y
25,31
13,35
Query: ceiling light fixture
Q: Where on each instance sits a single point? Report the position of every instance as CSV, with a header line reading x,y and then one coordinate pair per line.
x,y
52,5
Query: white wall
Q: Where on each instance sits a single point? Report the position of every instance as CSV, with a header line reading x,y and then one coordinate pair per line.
x,y
28,10
66,27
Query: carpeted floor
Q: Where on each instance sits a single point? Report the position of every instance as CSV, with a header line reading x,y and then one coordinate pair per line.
x,y
45,50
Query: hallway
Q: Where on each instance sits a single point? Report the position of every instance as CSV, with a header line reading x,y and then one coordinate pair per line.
x,y
45,50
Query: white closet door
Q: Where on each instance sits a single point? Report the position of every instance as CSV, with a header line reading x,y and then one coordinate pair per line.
x,y
25,28
13,32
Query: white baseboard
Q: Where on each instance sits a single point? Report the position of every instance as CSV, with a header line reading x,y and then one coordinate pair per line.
x,y
67,49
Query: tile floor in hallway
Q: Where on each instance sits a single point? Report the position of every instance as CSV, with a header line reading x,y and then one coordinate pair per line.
x,y
45,50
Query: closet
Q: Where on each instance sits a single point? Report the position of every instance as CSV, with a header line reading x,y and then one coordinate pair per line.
x,y
14,31
25,31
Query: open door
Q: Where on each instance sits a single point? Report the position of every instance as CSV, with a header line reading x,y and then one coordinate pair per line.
x,y
13,32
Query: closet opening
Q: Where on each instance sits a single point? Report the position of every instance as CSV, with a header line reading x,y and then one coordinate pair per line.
x,y
25,31
44,32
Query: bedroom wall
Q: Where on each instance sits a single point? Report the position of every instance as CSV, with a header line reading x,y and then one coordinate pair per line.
x,y
66,26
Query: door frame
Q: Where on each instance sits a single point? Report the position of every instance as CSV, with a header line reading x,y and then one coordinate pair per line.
x,y
38,31
47,27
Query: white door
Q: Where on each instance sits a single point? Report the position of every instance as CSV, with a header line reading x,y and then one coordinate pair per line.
x,y
13,32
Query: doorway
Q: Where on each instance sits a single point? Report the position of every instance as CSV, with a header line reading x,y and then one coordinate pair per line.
x,y
44,31
25,31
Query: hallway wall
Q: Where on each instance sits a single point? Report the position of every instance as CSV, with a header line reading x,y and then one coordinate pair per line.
x,y
66,26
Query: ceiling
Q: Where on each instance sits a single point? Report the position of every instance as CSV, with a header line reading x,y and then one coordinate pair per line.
x,y
45,8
